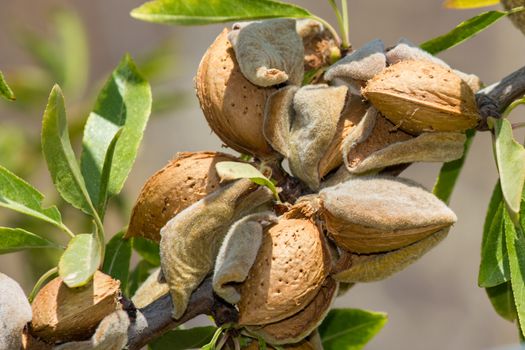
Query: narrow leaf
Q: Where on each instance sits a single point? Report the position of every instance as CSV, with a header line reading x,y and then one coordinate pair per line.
x,y
515,241
16,239
350,329
494,266
197,12
236,170
5,90
181,339
138,275
117,259
462,32
106,173
18,195
59,154
502,300
80,260
510,158
148,250
123,103
469,4
449,173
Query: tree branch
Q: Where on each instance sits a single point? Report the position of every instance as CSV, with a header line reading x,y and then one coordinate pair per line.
x,y
155,319
494,99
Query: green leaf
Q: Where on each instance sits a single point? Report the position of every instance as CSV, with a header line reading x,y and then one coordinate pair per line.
x,y
106,173
18,195
469,4
449,173
213,341
462,32
494,267
123,103
502,300
117,259
138,276
510,158
236,170
181,339
5,90
60,157
350,329
197,12
80,260
515,241
16,239
148,250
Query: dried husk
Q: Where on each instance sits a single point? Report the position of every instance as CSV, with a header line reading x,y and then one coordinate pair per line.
x,y
405,50
29,342
269,52
111,334
300,325
64,314
154,287
237,254
233,107
350,118
183,181
421,96
320,47
15,313
191,240
517,18
278,118
359,66
381,213
353,268
289,270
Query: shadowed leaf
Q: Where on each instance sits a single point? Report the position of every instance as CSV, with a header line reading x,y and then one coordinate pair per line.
x,y
15,239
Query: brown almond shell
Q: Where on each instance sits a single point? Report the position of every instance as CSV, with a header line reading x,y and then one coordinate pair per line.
x,y
61,313
290,267
422,96
233,107
182,182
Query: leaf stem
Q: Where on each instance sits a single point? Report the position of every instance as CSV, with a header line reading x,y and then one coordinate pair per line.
x,y
346,23
66,230
41,281
512,106
100,234
340,21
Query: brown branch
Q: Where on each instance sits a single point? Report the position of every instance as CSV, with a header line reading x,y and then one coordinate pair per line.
x,y
155,319
494,99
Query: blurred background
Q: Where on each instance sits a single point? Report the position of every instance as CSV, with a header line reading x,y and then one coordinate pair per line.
x,y
434,304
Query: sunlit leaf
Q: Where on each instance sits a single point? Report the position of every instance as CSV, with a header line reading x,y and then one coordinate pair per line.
x,y
236,170
80,260
117,259
197,12
181,339
494,266
16,239
449,173
510,158
123,103
106,174
462,32
148,250
350,329
5,90
469,4
214,339
59,154
502,300
515,241
18,195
